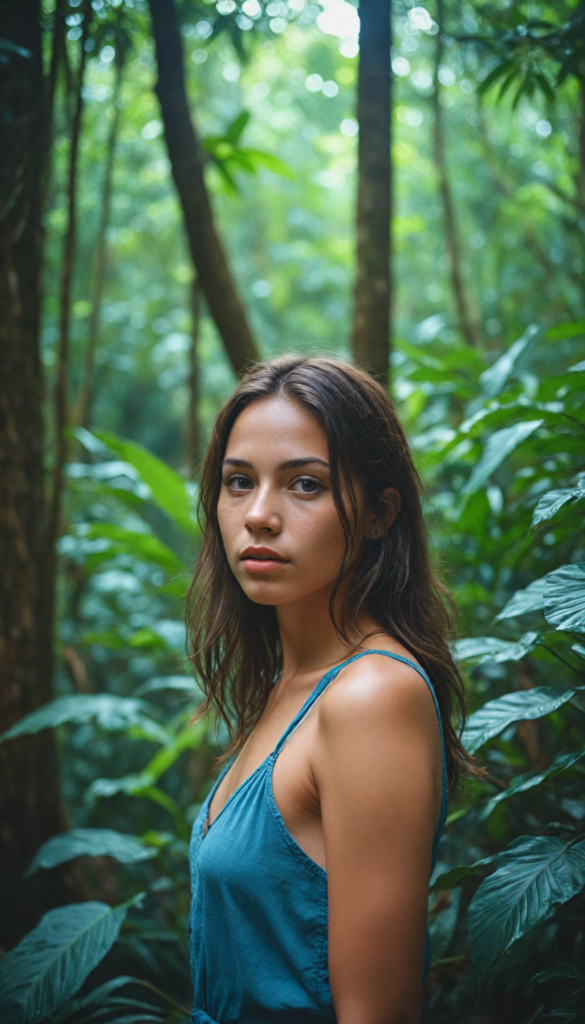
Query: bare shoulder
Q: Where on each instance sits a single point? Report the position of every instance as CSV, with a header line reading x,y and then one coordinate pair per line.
x,y
379,690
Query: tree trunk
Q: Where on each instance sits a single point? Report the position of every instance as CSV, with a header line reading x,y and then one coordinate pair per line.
x,y
465,319
207,251
371,318
85,396
30,803
62,382
194,438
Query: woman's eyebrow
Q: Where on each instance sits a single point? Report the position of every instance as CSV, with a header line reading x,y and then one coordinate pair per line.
x,y
295,463
288,464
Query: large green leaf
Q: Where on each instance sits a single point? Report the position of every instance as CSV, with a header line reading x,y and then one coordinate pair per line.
x,y
90,842
52,962
109,711
574,969
552,501
498,447
564,597
498,714
143,546
168,488
180,684
522,783
484,649
529,600
535,875
454,876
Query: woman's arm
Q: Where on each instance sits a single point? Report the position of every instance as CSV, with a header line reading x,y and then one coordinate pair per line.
x,y
378,771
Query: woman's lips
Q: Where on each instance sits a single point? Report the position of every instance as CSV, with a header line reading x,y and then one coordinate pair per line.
x,y
262,560
263,565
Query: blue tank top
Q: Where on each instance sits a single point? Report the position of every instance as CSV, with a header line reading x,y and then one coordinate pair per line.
x,y
258,921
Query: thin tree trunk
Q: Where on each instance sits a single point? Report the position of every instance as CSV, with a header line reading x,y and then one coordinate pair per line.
x,y
85,396
207,251
581,141
194,437
30,803
371,318
62,381
465,318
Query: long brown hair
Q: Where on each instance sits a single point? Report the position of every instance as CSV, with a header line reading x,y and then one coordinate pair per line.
x,y
234,643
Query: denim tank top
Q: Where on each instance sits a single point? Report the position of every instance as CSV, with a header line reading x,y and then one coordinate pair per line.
x,y
258,921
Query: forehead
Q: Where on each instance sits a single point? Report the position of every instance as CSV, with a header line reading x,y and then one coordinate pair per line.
x,y
276,427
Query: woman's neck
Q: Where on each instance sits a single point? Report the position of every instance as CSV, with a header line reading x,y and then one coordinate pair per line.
x,y
310,642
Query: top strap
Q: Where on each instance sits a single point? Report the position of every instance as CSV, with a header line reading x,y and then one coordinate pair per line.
x,y
322,686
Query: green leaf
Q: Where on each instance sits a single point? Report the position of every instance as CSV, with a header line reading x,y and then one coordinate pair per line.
x,y
498,447
7,46
237,126
442,924
89,842
493,379
552,501
525,782
449,879
51,963
564,597
575,329
498,714
535,875
97,997
575,969
181,684
168,488
482,650
141,545
107,710
529,600
271,163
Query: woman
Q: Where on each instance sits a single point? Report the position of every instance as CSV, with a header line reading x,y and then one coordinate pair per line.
x,y
318,628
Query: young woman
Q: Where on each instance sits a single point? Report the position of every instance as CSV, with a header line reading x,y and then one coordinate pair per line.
x,y
318,628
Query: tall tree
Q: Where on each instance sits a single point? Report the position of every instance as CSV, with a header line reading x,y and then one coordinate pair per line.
x,y
209,258
85,395
466,322
30,803
371,317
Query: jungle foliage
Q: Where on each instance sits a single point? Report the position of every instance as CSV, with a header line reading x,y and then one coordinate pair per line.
x,y
494,410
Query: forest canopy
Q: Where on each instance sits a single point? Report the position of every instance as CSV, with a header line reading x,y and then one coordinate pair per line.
x,y
188,185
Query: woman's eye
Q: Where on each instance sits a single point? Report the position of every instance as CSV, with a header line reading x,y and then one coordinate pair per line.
x,y
306,485
239,483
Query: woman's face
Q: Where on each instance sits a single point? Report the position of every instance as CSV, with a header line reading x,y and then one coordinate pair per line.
x,y
281,530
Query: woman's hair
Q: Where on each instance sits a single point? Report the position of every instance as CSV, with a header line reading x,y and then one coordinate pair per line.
x,y
234,642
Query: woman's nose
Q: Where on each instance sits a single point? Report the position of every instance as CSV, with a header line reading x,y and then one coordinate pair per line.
x,y
262,513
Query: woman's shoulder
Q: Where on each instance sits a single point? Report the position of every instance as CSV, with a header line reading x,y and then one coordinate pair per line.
x,y
385,685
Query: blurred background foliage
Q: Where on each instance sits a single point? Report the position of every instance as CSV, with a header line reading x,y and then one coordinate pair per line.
x,y
488,370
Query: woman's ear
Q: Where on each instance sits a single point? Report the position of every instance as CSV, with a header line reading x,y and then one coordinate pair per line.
x,y
389,507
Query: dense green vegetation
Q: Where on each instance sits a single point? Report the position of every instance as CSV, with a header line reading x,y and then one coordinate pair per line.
x,y
497,425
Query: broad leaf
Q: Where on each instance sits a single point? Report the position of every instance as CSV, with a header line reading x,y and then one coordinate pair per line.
x,y
522,783
97,997
564,597
574,969
552,501
107,710
529,600
484,649
494,379
498,714
535,875
168,488
498,447
90,842
449,879
180,684
51,963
